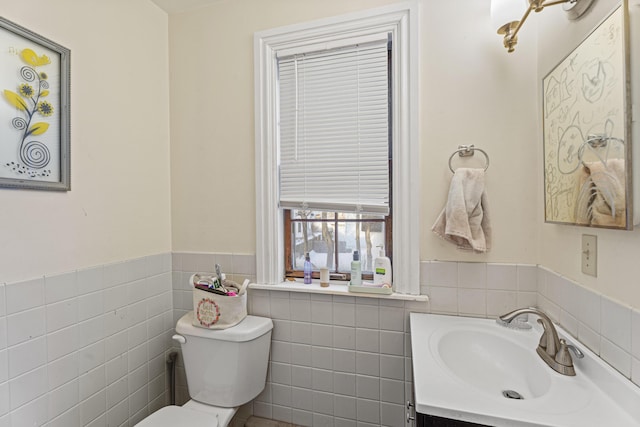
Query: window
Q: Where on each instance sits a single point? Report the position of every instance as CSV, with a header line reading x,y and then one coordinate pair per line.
x,y
339,33
331,238
334,155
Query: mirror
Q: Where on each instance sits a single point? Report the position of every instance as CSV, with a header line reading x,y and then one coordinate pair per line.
x,y
587,152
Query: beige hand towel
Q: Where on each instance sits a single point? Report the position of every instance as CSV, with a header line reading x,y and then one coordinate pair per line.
x,y
601,200
464,220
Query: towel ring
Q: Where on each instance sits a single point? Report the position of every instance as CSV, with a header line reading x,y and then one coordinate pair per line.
x,y
599,141
596,141
465,151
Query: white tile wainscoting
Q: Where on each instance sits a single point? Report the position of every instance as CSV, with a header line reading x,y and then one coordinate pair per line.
x,y
346,360
86,348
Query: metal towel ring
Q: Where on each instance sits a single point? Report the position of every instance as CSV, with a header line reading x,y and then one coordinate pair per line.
x,y
465,151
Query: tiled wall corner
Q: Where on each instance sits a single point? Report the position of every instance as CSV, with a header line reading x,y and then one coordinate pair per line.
x,y
86,348
608,328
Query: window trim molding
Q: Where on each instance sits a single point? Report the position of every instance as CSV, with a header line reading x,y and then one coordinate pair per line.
x,y
400,19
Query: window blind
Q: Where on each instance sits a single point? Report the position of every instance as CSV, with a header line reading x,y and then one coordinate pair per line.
x,y
334,129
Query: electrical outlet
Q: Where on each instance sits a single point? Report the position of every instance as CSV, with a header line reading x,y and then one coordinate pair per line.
x,y
590,254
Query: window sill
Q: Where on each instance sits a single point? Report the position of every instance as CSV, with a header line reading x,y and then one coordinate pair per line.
x,y
333,289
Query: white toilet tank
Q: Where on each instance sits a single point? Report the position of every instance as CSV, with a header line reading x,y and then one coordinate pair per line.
x,y
226,367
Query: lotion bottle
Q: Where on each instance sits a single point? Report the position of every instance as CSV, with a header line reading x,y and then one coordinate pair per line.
x,y
307,269
356,269
382,270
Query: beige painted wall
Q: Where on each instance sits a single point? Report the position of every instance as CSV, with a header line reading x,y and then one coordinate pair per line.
x,y
471,93
119,205
212,120
560,246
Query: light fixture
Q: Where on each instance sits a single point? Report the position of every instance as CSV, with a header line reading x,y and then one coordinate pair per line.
x,y
505,14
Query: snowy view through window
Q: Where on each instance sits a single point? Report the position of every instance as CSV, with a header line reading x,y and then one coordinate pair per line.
x,y
321,234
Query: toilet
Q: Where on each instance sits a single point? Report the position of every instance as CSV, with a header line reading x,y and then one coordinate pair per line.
x,y
225,368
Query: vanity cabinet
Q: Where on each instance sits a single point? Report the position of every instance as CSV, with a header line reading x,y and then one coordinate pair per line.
x,y
424,420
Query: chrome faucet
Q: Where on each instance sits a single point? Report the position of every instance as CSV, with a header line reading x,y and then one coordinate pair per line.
x,y
553,350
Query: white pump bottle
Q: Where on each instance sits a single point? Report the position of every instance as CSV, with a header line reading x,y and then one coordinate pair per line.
x,y
382,270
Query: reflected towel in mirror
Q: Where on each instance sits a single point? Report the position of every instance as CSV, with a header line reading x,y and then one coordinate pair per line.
x,y
601,196
464,220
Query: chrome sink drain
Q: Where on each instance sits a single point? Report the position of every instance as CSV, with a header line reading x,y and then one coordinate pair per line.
x,y
512,394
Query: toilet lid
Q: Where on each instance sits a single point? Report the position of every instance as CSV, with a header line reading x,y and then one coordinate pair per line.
x,y
172,416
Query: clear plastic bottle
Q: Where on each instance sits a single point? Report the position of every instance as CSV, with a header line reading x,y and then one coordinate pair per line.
x,y
356,269
307,269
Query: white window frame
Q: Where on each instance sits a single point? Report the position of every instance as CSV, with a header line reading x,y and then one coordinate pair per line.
x,y
402,21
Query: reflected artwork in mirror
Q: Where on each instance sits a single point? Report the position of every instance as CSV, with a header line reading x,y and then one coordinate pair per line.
x,y
587,168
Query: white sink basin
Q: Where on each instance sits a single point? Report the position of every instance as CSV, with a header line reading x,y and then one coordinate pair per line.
x,y
463,367
492,363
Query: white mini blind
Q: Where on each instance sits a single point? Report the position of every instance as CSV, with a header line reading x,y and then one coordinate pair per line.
x,y
334,129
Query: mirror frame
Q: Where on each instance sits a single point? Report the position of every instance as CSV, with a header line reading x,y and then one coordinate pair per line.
x,y
567,193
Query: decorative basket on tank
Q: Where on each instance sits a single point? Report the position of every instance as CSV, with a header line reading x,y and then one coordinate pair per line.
x,y
217,304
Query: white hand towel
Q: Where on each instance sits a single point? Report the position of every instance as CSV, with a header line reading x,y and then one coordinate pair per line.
x,y
464,220
601,200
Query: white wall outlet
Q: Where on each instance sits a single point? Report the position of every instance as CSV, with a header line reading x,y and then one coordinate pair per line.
x,y
590,255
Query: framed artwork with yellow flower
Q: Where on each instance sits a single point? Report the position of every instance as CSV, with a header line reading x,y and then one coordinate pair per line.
x,y
34,110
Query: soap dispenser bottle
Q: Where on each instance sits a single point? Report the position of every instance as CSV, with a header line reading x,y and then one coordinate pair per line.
x,y
307,269
382,270
356,269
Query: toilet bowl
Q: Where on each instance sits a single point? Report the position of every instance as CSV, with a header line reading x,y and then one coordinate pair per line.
x,y
225,369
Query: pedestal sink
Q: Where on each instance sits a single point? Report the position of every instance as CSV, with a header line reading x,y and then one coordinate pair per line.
x,y
478,371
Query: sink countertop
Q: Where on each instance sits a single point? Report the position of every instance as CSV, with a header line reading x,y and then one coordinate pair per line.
x,y
597,396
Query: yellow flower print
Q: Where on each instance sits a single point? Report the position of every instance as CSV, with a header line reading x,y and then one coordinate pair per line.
x,y
31,58
45,108
26,90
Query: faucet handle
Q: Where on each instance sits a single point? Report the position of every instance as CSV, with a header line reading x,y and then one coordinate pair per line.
x,y
563,356
576,351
